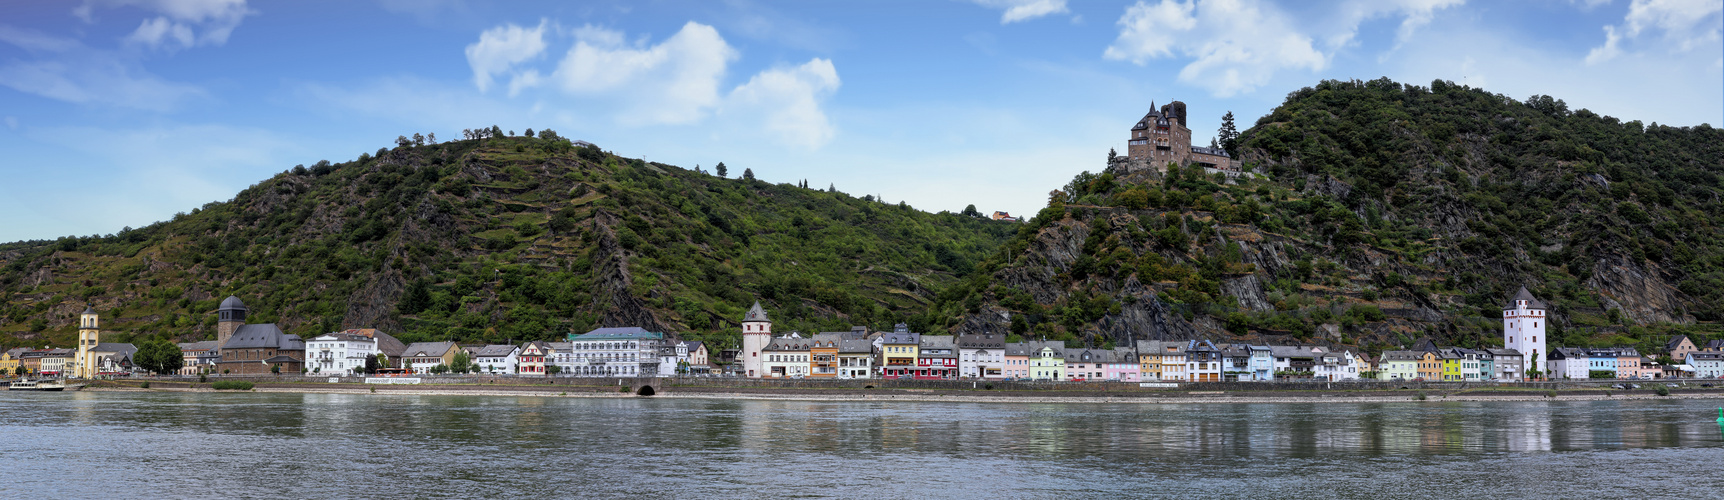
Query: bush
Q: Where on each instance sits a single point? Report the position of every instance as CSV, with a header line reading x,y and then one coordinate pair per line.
x,y
145,385
231,385
1662,390
203,378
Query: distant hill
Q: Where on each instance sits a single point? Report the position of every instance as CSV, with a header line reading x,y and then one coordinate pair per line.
x,y
1383,213
509,238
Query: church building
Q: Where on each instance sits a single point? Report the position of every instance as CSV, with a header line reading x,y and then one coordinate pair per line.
x,y
254,349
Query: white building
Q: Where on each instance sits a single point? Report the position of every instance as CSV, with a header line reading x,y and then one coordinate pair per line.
x,y
497,358
1706,364
982,356
756,335
338,353
1334,365
1569,362
1524,322
615,352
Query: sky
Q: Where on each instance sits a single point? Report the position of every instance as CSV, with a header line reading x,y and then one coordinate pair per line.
x,y
121,113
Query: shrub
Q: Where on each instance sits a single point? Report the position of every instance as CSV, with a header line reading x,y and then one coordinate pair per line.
x,y
1662,390
231,385
146,385
203,378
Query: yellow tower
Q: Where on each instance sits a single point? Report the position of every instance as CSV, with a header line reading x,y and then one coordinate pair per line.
x,y
89,334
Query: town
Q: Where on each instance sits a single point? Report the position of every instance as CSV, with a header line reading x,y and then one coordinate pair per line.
x,y
253,349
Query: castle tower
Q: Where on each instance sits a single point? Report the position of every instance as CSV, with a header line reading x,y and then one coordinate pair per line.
x,y
756,334
1524,322
229,318
89,334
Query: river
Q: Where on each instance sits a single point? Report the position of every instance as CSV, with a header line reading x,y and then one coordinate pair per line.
x,y
283,445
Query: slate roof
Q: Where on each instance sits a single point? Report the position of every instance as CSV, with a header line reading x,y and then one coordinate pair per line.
x,y
232,302
263,336
901,338
1505,352
1715,344
89,310
1699,355
1017,349
1401,356
1291,351
618,333
755,313
17,351
495,351
788,344
981,341
116,347
852,346
1532,302
427,349
1675,341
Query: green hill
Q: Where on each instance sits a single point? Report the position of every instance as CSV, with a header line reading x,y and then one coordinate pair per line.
x,y
1382,213
516,238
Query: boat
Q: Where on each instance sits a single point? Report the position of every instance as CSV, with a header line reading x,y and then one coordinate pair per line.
x,y
37,385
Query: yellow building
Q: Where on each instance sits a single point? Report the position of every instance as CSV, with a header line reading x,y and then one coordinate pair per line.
x,y
10,361
1048,362
898,351
1430,368
84,364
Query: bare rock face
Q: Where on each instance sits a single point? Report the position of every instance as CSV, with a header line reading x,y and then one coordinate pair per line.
x,y
1249,292
1642,296
1050,253
1146,317
373,305
613,293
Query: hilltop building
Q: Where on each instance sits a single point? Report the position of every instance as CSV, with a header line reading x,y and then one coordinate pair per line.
x,y
1524,322
1163,138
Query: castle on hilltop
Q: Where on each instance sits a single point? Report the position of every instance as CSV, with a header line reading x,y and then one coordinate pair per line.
x,y
1162,138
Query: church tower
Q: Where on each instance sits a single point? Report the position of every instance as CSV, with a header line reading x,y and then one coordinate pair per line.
x,y
229,318
1524,322
89,334
756,334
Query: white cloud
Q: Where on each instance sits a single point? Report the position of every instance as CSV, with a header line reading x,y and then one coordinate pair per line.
x,y
180,23
1237,46
502,47
674,82
787,102
1024,10
78,74
1686,24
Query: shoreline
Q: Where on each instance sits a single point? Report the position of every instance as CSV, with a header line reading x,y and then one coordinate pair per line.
x,y
1167,397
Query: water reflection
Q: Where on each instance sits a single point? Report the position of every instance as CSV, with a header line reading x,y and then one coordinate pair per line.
x,y
342,445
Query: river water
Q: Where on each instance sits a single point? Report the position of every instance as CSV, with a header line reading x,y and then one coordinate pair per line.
x,y
276,445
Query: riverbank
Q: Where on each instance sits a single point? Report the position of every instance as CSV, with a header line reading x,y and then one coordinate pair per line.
x,y
955,395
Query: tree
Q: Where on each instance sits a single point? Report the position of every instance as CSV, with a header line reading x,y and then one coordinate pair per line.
x,y
371,364
1228,135
528,133
417,298
418,139
159,356
462,362
748,173
496,131
970,211
275,369
720,169
431,138
402,141
20,370
382,361
554,369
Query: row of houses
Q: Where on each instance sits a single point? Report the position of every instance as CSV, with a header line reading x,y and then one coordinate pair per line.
x,y
110,358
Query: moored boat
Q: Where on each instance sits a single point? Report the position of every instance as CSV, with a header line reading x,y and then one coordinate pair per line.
x,y
37,385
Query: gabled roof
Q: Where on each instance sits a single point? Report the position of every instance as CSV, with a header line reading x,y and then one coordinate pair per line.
x,y
263,336
428,349
116,347
495,351
755,313
1505,352
1676,341
981,341
854,346
900,338
788,344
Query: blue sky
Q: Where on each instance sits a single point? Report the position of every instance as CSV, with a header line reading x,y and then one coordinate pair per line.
x,y
119,113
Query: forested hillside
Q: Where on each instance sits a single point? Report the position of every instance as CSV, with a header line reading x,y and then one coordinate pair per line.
x,y
503,238
1380,213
